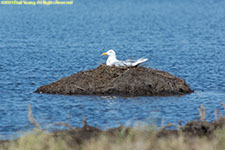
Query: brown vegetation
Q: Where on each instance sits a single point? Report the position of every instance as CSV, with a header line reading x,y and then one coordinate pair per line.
x,y
121,81
192,136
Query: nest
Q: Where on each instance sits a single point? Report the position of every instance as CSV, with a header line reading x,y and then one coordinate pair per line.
x,y
120,81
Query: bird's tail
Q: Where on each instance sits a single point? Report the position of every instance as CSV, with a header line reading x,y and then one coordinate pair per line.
x,y
139,61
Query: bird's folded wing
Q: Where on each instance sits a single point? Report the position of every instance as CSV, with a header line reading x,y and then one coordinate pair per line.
x,y
130,62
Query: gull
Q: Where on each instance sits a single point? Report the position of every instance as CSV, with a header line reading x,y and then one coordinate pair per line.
x,y
118,63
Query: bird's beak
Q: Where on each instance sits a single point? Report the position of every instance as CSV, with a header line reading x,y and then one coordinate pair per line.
x,y
103,54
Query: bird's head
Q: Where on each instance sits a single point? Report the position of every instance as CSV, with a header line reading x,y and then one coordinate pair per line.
x,y
110,53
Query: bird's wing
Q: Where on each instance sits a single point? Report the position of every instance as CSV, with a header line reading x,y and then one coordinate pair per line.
x,y
140,61
119,63
130,62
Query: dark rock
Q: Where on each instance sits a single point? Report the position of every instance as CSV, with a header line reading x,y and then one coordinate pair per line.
x,y
121,81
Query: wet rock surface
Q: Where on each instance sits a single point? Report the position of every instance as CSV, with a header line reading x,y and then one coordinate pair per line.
x,y
120,81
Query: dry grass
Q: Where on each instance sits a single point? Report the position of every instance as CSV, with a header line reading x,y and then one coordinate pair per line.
x,y
137,139
36,140
141,138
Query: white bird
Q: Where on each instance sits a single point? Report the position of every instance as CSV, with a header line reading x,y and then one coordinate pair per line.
x,y
113,61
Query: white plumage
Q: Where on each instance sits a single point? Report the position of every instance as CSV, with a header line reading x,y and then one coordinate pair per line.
x,y
113,61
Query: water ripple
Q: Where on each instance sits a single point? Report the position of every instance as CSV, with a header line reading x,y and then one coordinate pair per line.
x,y
185,38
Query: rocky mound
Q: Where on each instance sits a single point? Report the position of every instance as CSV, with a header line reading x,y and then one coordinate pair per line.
x,y
121,81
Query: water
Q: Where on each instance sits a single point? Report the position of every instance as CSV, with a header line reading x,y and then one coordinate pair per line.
x,y
41,44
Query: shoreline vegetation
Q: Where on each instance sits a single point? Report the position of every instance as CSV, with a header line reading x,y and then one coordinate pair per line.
x,y
194,135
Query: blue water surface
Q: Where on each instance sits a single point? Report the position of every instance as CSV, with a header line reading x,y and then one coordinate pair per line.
x,y
41,44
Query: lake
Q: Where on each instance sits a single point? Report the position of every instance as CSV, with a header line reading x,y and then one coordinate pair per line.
x,y
41,44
